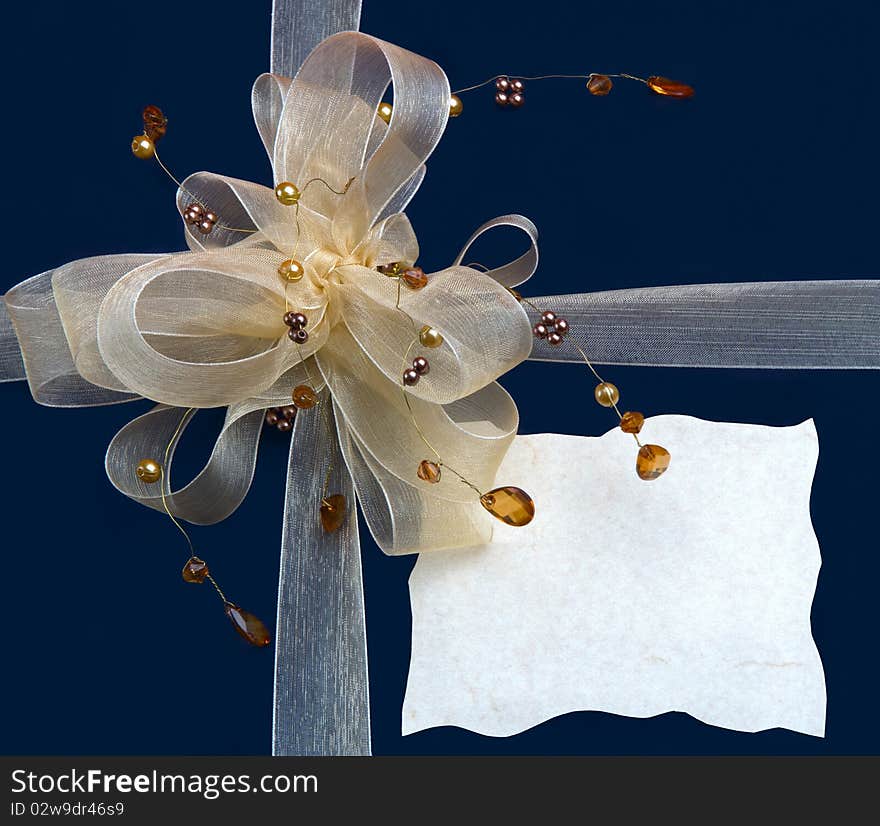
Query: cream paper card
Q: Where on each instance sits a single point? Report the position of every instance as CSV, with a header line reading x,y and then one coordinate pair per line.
x,y
688,593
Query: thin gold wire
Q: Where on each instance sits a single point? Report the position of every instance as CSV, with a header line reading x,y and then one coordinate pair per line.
x,y
166,479
546,77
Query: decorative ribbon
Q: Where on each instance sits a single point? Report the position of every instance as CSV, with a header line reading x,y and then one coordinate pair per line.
x,y
204,328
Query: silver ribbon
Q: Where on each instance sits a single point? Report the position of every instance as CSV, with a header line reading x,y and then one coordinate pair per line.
x,y
322,695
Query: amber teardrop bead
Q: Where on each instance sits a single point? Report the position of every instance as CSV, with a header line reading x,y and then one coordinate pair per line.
x,y
332,512
652,462
304,397
511,505
148,471
414,278
195,570
631,421
249,626
599,85
429,472
669,88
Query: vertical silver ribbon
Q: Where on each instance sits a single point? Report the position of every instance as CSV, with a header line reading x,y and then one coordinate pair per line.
x,y
300,25
322,704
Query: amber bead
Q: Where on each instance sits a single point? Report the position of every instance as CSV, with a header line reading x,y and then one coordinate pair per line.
x,y
249,626
155,122
287,193
149,471
384,111
291,270
652,462
195,570
332,512
142,147
429,472
304,397
511,505
414,278
631,422
599,85
455,106
430,337
606,394
669,88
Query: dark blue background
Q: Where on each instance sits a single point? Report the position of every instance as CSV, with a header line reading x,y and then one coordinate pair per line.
x,y
770,172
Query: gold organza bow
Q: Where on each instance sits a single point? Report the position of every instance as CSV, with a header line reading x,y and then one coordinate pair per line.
x,y
205,328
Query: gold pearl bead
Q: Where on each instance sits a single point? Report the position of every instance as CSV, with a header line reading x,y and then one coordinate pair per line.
x,y
142,147
606,394
455,106
287,193
291,270
430,337
149,471
384,111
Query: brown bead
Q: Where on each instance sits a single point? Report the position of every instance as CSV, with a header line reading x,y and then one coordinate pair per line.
x,y
410,377
155,122
272,417
332,512
429,472
599,85
393,269
249,626
540,330
631,422
194,213
606,394
554,339
205,226
285,425
304,397
295,320
548,317
297,335
414,278
148,471
289,318
421,366
516,85
560,326
288,411
652,462
516,100
669,88
511,505
502,84
195,570
501,98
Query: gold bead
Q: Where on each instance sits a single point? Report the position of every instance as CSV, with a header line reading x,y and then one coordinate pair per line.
x,y
430,337
142,147
287,193
384,111
149,471
606,394
291,270
455,106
